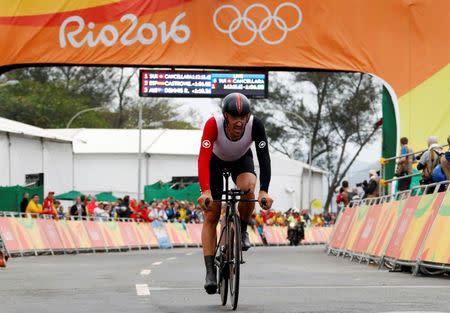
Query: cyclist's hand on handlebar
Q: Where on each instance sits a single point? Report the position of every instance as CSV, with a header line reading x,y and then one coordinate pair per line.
x,y
205,199
265,201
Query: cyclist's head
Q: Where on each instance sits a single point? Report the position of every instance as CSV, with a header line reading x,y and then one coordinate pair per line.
x,y
236,104
236,112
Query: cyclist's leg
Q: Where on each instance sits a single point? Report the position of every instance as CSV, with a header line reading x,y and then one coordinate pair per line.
x,y
246,182
245,178
212,215
211,218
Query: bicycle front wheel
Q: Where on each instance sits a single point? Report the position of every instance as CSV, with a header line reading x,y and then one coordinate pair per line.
x,y
234,258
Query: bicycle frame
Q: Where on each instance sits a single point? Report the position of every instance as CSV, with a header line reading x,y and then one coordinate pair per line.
x,y
231,200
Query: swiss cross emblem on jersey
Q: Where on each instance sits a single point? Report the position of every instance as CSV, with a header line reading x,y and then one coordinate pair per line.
x,y
206,144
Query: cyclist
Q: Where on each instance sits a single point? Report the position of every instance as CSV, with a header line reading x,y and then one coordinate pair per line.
x,y
226,143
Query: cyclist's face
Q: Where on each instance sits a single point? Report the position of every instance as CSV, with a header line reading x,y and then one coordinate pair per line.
x,y
236,124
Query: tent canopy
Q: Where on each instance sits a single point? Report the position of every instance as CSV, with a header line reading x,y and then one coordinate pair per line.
x,y
160,190
70,195
106,196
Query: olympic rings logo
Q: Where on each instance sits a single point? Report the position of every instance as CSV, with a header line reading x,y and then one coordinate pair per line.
x,y
243,19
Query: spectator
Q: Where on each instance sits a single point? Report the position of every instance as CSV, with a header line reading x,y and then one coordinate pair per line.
x,y
124,210
182,214
90,207
188,209
442,170
348,192
341,200
78,208
162,216
59,210
108,208
198,216
153,213
404,165
139,211
143,212
133,206
100,213
306,217
48,207
371,189
429,160
170,212
33,206
24,203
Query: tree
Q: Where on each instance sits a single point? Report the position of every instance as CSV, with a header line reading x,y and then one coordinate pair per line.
x,y
49,97
342,116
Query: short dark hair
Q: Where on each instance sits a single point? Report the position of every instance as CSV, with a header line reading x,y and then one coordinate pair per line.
x,y
404,141
345,184
35,195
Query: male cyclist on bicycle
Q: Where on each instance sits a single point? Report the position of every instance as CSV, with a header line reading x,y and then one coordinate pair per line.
x,y
226,143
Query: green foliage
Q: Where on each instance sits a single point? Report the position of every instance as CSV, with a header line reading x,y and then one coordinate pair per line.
x,y
49,97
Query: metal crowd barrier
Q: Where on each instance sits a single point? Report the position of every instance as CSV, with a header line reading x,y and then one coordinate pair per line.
x,y
397,230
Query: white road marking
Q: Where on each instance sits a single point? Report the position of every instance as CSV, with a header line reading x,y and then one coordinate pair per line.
x,y
145,272
318,287
172,258
190,253
157,263
142,290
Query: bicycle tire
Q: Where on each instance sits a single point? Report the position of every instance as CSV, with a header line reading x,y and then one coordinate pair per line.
x,y
234,258
223,275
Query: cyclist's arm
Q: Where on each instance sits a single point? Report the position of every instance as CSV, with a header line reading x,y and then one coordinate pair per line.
x,y
262,152
206,150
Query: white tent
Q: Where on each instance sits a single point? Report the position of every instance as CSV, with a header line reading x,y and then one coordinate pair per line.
x,y
25,149
107,160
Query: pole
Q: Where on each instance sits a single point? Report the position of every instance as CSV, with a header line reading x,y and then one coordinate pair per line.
x,y
310,177
81,112
309,159
140,152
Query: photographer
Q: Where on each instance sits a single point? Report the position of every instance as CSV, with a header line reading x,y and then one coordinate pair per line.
x,y
429,160
371,189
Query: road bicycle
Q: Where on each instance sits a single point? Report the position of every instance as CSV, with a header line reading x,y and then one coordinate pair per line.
x,y
228,252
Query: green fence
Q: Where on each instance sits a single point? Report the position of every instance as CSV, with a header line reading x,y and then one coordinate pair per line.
x,y
10,197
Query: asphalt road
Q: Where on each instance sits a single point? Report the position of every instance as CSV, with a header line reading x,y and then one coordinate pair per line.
x,y
276,279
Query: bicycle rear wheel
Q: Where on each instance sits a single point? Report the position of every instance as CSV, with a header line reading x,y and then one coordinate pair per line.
x,y
234,258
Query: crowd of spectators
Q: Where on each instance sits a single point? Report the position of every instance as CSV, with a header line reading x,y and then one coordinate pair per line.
x,y
283,218
125,208
167,210
434,164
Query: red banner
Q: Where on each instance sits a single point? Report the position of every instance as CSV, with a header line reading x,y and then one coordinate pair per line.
x,y
11,239
368,230
64,233
130,235
195,233
410,206
48,231
341,231
95,234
